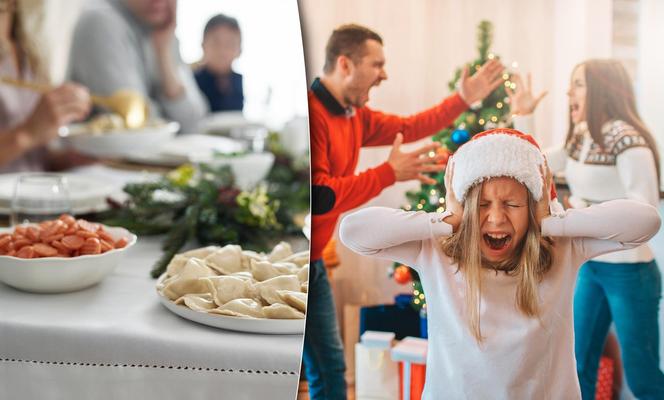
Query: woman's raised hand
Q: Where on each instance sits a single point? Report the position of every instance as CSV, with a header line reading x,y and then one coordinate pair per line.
x,y
522,100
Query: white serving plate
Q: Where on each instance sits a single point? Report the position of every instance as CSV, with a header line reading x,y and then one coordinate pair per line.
x,y
121,143
59,274
253,325
85,194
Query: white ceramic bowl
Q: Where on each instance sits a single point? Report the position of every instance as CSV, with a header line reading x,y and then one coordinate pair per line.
x,y
121,143
249,169
59,274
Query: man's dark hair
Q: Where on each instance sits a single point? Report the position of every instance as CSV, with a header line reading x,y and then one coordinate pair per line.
x,y
221,20
348,40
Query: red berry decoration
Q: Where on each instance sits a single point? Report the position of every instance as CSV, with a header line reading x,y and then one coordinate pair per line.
x,y
402,274
445,154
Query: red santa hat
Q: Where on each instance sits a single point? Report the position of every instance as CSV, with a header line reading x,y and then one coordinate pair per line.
x,y
496,153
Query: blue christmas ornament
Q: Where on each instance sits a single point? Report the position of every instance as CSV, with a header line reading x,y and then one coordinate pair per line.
x,y
460,136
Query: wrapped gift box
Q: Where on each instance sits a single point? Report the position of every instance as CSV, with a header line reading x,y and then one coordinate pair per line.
x,y
399,318
411,353
376,374
604,388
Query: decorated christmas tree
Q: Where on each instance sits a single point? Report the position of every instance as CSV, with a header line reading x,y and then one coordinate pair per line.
x,y
492,112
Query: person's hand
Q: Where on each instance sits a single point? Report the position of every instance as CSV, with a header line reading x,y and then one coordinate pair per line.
x,y
65,104
415,164
522,101
162,36
451,202
482,83
543,209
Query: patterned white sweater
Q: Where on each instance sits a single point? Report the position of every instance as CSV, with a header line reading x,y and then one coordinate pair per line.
x,y
624,170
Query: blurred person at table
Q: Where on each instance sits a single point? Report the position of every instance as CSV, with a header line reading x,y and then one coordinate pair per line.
x,y
222,44
29,120
609,153
131,44
341,124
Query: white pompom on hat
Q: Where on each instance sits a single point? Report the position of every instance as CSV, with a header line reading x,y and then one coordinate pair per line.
x,y
497,153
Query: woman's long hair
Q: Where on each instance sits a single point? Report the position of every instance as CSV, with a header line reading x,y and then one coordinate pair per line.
x,y
529,263
25,13
610,96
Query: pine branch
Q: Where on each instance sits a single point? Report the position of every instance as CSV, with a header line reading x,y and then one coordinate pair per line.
x,y
183,229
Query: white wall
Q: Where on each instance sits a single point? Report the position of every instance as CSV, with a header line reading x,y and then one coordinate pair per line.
x,y
650,76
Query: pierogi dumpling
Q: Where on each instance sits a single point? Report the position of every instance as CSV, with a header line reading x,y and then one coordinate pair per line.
x,y
195,268
244,275
197,301
176,264
264,270
178,287
300,259
226,288
248,255
241,308
279,252
303,274
282,311
267,290
226,260
294,299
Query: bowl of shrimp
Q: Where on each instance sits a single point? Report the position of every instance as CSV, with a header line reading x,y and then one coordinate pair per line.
x,y
60,255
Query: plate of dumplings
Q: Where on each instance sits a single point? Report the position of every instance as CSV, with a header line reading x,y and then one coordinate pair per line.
x,y
241,290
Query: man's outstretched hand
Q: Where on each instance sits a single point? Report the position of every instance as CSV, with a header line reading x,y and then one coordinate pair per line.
x,y
415,164
482,83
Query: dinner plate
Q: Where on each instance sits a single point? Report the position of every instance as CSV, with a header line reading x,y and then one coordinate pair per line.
x,y
120,143
85,194
253,325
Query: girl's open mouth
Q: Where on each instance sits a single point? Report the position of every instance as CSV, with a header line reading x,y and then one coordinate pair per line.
x,y
497,241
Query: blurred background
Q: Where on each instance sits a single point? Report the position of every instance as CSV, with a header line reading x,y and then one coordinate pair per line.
x,y
274,77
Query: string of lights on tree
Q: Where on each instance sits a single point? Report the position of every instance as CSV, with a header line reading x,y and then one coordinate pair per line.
x,y
492,112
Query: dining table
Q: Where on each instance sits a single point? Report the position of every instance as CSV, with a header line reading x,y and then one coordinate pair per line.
x,y
115,340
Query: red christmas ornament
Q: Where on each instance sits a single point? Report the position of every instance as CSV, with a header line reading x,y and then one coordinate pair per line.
x,y
402,274
445,154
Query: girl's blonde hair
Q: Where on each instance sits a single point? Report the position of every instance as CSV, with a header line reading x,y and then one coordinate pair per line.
x,y
529,263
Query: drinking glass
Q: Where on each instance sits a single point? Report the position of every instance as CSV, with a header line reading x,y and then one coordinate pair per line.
x,y
39,197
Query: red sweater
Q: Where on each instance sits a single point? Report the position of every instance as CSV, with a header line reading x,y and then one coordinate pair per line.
x,y
336,138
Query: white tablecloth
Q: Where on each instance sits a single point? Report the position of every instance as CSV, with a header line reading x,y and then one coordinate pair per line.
x,y
115,341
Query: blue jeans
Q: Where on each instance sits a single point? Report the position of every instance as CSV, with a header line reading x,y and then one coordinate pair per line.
x,y
323,354
628,295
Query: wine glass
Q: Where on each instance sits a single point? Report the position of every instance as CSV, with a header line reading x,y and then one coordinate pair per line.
x,y
39,197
